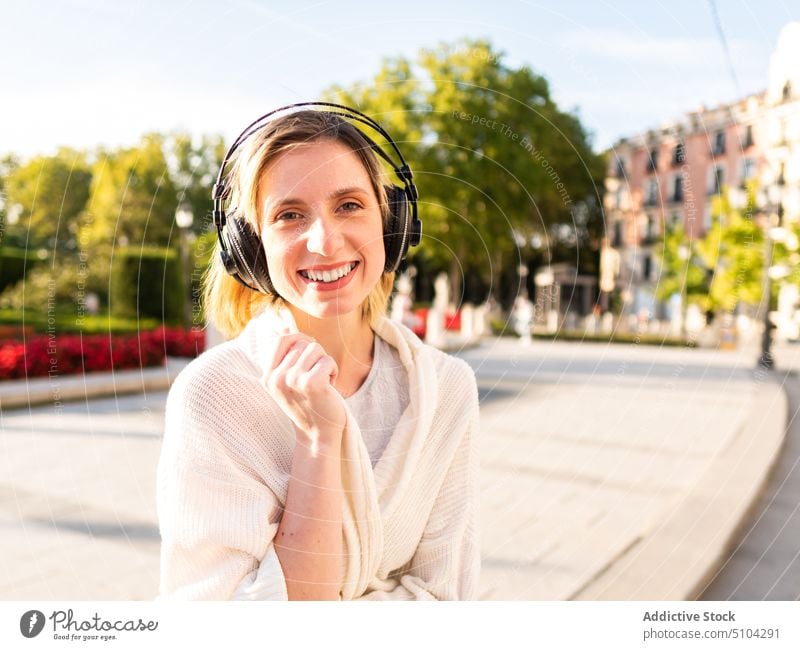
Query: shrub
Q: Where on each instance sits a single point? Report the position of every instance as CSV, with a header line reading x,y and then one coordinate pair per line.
x,y
14,264
42,355
147,282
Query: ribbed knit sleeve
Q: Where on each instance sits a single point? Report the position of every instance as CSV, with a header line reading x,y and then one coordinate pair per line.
x,y
216,516
446,563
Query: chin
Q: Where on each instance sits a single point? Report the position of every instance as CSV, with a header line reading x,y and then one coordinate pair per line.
x,y
329,310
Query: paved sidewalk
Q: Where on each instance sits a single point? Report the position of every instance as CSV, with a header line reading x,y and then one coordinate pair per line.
x,y
618,472
765,563
609,472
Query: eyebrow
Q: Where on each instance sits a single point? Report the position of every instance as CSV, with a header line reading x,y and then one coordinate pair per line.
x,y
354,189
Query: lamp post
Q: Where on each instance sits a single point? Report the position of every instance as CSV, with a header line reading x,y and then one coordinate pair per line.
x,y
184,216
774,232
684,254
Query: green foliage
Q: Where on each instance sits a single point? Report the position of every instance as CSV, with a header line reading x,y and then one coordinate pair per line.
x,y
51,285
681,272
52,192
194,165
67,322
133,198
492,153
147,282
733,249
14,264
785,254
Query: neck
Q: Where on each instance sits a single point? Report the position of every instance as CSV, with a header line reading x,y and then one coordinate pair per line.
x,y
348,339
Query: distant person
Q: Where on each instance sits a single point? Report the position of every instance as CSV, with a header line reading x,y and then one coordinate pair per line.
x,y
324,452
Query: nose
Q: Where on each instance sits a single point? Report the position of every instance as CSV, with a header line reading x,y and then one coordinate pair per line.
x,y
324,236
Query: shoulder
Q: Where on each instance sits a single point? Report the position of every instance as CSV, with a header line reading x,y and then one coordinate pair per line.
x,y
213,376
456,379
217,409
453,375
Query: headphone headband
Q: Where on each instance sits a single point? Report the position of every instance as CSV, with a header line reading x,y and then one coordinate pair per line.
x,y
406,229
402,170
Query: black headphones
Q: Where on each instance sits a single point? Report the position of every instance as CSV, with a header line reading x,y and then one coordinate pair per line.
x,y
242,251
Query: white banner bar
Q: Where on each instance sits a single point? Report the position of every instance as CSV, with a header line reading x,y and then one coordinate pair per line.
x,y
484,625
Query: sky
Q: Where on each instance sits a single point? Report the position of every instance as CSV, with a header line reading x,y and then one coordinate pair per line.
x,y
84,73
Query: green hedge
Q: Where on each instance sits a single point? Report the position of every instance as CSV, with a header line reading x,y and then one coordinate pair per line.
x,y
14,264
503,328
147,283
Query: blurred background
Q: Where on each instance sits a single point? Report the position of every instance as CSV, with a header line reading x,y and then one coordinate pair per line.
x,y
590,174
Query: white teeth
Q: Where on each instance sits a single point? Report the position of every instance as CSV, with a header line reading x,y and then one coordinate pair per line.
x,y
328,276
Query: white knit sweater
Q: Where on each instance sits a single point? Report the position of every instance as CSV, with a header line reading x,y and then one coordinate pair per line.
x,y
409,524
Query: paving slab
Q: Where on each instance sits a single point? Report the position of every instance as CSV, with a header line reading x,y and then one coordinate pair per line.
x,y
603,468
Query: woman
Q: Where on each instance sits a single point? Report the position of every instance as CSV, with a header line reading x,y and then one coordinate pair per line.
x,y
323,452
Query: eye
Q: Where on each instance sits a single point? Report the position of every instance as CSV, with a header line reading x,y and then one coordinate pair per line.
x,y
350,206
288,216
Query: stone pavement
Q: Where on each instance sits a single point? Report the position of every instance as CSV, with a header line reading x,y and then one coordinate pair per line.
x,y
608,472
765,563
618,472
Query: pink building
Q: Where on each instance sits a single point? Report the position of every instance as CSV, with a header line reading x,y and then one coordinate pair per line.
x,y
669,175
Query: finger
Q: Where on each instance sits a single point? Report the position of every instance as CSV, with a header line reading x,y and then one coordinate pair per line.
x,y
281,345
292,356
311,354
325,367
280,375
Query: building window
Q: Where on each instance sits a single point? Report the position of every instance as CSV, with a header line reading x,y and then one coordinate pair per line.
x,y
674,220
617,234
652,162
716,180
652,192
619,170
647,267
719,143
748,171
650,230
677,189
748,137
787,91
679,154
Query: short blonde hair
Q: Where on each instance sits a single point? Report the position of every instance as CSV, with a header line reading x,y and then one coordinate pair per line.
x,y
228,304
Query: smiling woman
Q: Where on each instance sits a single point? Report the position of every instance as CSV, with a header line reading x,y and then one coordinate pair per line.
x,y
323,452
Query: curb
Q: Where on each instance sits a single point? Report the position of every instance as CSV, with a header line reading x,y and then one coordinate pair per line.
x,y
678,559
22,393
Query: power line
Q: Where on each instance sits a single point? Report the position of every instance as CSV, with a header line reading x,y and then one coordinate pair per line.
x,y
718,24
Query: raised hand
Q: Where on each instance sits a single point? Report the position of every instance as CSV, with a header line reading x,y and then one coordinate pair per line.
x,y
300,380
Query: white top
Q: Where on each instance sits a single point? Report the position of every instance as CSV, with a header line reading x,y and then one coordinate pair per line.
x,y
380,401
409,523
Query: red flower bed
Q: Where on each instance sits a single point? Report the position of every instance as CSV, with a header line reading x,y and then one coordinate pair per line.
x,y
65,354
452,322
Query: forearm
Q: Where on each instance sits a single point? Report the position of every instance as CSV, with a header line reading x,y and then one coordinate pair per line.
x,y
309,539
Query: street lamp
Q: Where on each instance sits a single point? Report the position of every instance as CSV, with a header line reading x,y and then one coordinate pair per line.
x,y
684,254
184,216
774,232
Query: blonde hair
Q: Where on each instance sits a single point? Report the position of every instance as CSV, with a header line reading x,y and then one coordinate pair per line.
x,y
228,304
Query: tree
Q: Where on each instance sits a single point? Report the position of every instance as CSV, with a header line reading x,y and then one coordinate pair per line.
x,y
733,252
681,272
51,192
194,165
495,159
133,199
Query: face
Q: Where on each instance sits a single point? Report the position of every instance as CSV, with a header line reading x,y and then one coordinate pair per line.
x,y
321,228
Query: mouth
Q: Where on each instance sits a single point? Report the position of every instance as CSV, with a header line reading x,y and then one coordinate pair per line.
x,y
329,276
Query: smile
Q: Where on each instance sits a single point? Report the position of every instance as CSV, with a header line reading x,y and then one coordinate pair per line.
x,y
331,275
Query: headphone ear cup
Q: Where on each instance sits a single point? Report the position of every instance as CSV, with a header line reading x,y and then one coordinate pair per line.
x,y
246,255
395,235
